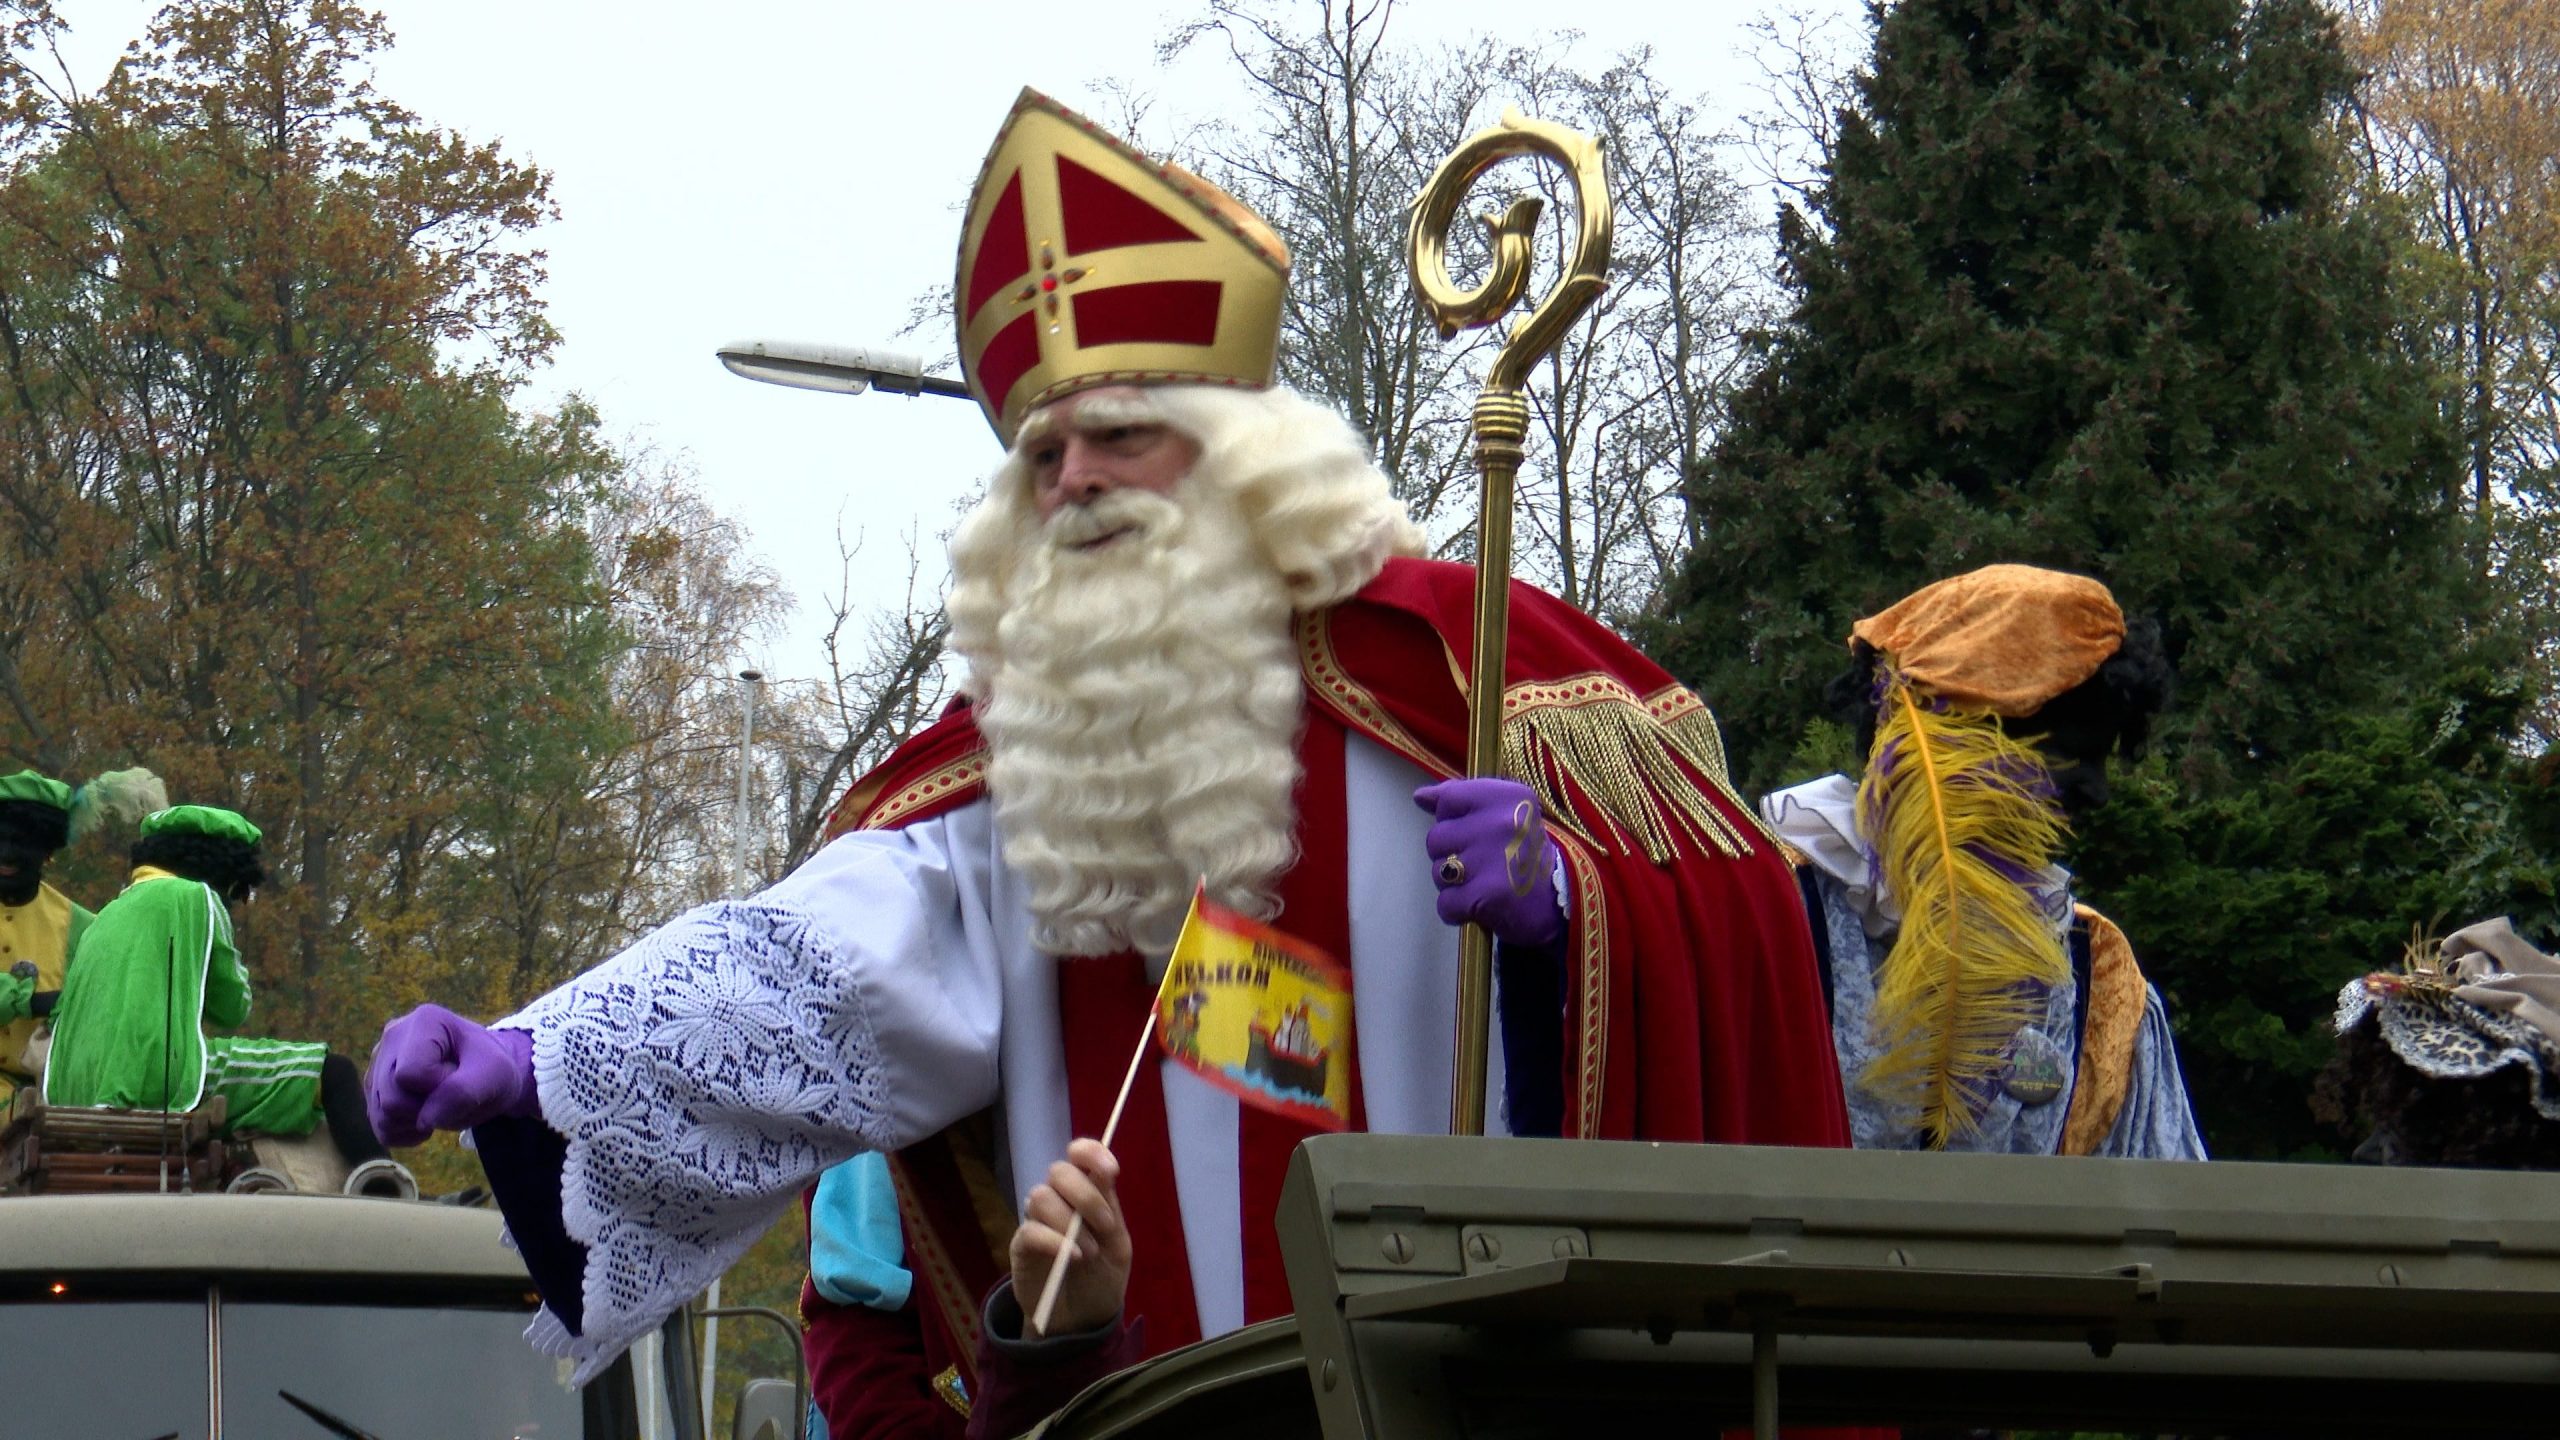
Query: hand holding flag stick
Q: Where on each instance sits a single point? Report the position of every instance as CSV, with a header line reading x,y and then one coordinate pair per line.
x,y
1075,1222
1256,1013
1501,429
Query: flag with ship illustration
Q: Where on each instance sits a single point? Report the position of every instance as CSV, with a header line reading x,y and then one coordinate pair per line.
x,y
1259,1014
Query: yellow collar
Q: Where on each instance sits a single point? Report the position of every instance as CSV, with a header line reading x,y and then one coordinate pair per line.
x,y
148,872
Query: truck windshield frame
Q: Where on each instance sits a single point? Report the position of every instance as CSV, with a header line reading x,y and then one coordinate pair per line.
x,y
204,1360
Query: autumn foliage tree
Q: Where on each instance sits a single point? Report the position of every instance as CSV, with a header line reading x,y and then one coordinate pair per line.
x,y
272,525
2458,120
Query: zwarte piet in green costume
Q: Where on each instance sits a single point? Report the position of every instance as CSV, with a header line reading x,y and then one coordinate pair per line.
x,y
158,966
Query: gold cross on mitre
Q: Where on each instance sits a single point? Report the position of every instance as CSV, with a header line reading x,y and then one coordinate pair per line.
x,y
1084,263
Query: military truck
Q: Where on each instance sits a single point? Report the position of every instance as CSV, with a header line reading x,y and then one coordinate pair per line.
x,y
1536,1288
1443,1288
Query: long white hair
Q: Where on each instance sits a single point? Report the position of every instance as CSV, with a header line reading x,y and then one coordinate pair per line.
x,y
1141,702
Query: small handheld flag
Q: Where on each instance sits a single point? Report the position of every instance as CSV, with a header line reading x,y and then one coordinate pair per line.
x,y
1255,1013
1259,1014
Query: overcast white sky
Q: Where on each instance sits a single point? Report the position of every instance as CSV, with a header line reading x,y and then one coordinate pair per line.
x,y
792,169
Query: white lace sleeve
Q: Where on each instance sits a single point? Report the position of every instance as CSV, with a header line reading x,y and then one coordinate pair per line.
x,y
707,1074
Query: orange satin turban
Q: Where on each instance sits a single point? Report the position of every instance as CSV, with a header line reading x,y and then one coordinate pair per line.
x,y
2007,638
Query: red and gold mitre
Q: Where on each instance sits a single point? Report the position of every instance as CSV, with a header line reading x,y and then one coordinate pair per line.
x,y
1084,263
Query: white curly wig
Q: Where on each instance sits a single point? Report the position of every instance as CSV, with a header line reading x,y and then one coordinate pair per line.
x,y
1141,704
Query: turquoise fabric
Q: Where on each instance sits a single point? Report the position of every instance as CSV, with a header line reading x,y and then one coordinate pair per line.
x,y
857,1253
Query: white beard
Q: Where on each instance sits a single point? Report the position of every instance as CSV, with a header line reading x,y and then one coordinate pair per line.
x,y
1141,712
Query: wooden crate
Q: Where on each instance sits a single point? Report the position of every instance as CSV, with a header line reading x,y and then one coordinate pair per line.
x,y
62,1150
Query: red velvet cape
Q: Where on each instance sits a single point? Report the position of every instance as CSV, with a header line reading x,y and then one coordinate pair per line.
x,y
1694,1008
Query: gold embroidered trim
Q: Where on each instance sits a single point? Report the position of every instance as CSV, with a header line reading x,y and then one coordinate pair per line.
x,y
953,1392
1591,1052
1679,708
968,770
1457,672
926,1257
970,1143
1334,686
1672,702
1596,734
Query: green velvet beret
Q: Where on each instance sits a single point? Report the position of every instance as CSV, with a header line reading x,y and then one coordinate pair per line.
x,y
28,785
200,820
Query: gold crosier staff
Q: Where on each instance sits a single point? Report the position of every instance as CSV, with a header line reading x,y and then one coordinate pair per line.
x,y
1501,425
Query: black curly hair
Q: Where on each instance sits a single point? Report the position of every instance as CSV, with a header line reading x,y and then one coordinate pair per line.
x,y
2393,1115
34,822
30,831
230,866
2109,713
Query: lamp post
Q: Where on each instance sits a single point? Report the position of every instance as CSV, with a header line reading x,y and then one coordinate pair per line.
x,y
747,682
836,369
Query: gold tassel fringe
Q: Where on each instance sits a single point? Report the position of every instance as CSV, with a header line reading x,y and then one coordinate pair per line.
x,y
1643,775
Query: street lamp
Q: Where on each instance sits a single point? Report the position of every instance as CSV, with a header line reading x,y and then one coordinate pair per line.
x,y
837,369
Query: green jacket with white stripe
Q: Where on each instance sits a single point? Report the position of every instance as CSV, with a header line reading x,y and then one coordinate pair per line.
x,y
156,967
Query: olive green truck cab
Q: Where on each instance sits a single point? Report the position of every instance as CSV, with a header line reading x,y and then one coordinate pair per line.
x,y
1535,1288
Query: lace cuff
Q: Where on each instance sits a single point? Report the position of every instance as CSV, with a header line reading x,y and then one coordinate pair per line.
x,y
702,1079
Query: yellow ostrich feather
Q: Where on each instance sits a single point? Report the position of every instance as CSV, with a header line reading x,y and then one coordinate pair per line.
x,y
1944,794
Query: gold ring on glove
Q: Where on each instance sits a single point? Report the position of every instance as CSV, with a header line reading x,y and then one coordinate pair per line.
x,y
1452,872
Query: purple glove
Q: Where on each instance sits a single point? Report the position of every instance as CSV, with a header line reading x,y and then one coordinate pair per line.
x,y
1488,848
435,1071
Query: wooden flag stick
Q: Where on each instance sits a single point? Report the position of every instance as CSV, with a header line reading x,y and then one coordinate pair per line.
x,y
1075,1219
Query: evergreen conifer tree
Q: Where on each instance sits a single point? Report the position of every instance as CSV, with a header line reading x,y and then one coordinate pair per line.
x,y
2086,290
2086,286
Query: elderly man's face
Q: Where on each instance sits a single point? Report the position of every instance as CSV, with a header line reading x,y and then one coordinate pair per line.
x,y
1086,446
